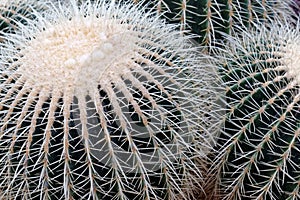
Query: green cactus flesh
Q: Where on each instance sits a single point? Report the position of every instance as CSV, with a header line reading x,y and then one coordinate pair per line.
x,y
102,102
259,155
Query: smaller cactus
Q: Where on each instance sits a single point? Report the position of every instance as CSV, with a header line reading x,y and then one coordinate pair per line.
x,y
102,101
210,19
260,145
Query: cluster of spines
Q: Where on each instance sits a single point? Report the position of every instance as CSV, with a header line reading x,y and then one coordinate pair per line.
x,y
12,12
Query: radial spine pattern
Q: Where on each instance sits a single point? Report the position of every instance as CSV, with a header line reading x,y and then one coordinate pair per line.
x,y
102,101
259,154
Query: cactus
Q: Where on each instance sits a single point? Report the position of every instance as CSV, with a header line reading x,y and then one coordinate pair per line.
x,y
210,19
259,147
14,11
102,101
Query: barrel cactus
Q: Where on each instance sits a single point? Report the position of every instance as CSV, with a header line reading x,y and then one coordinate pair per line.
x,y
102,101
210,19
259,146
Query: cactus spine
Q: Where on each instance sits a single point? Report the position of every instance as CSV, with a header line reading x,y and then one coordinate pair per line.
x,y
102,102
259,154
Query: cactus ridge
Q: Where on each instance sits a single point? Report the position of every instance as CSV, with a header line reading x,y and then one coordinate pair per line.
x,y
102,101
259,147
